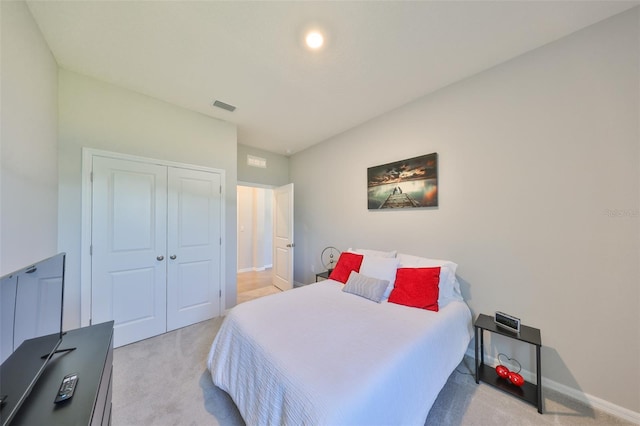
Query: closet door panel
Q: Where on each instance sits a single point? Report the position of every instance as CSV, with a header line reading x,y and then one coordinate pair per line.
x,y
194,246
128,270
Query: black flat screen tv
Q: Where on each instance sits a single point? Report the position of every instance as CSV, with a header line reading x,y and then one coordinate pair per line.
x,y
31,304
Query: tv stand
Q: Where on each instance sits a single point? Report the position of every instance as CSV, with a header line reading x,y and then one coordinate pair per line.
x,y
90,354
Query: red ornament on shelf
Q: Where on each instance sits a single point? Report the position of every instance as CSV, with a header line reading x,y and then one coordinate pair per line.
x,y
503,372
515,378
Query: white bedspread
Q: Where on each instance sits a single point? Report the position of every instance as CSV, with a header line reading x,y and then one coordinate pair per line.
x,y
319,356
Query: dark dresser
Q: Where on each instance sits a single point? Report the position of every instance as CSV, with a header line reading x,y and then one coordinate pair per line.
x,y
92,360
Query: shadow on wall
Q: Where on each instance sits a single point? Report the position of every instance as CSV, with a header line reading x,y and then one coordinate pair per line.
x,y
563,406
465,289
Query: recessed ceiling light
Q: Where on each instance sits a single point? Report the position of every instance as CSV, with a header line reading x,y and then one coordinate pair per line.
x,y
314,40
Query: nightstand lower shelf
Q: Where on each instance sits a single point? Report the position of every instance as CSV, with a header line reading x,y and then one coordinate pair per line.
x,y
527,392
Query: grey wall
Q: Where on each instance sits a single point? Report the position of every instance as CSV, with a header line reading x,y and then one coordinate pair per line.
x,y
28,152
102,116
538,200
275,174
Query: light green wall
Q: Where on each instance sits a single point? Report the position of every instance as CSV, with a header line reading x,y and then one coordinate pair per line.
x,y
29,171
98,115
539,180
275,174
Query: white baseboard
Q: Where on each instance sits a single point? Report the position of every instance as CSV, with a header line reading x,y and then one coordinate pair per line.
x,y
585,398
255,269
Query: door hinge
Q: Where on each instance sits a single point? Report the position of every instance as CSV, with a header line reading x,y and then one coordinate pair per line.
x,y
91,176
91,250
220,240
220,189
220,293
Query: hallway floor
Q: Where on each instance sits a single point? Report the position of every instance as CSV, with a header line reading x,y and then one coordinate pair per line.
x,y
252,285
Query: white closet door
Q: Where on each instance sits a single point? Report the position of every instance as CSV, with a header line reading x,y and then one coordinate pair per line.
x,y
129,248
194,245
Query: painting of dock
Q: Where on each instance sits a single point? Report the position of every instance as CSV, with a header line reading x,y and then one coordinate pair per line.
x,y
404,184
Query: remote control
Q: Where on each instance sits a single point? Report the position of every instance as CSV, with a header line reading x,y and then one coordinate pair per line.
x,y
67,387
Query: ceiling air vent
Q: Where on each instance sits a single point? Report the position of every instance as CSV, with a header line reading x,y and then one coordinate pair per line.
x,y
223,105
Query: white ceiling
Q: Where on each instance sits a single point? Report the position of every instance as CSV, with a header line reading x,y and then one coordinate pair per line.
x,y
378,55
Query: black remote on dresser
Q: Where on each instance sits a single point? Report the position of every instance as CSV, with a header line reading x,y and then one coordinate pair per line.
x,y
67,387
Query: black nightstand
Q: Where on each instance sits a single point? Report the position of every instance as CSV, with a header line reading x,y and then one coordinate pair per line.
x,y
324,275
529,392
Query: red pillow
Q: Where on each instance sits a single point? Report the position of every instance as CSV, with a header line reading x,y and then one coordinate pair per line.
x,y
417,287
347,262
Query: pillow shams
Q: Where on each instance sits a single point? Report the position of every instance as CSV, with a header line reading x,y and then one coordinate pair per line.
x,y
417,288
347,262
449,286
381,268
376,253
367,287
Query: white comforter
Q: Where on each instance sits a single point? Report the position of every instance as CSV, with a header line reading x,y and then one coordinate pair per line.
x,y
319,356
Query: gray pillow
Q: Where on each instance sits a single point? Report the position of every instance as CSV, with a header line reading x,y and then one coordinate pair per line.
x,y
367,287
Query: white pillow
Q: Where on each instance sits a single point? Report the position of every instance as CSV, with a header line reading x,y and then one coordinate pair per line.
x,y
376,253
382,268
449,288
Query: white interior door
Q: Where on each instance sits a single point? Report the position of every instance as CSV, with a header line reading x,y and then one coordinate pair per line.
x,y
129,235
283,237
194,245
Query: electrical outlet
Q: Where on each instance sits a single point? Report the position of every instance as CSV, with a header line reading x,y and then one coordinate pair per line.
x,y
313,269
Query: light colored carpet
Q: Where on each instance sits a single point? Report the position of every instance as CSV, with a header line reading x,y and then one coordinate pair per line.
x,y
164,381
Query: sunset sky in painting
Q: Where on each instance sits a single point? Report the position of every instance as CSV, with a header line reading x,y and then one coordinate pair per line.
x,y
423,167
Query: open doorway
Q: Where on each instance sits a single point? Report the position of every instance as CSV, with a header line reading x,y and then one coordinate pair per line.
x,y
255,242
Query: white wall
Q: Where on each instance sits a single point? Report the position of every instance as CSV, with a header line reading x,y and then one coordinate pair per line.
x,y
102,116
28,152
245,228
255,228
267,235
539,200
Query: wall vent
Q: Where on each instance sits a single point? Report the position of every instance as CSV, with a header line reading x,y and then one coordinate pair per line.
x,y
223,105
254,161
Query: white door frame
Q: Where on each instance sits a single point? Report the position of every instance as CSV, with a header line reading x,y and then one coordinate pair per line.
x,y
85,241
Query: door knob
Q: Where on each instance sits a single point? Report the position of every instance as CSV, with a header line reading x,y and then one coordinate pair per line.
x,y
173,257
160,258
291,245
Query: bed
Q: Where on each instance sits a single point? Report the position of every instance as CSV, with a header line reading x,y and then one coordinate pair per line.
x,y
320,355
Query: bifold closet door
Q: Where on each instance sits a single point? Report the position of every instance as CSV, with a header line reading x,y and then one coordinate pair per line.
x,y
156,247
129,244
194,244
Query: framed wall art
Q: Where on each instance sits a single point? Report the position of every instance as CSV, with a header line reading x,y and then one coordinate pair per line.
x,y
404,184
